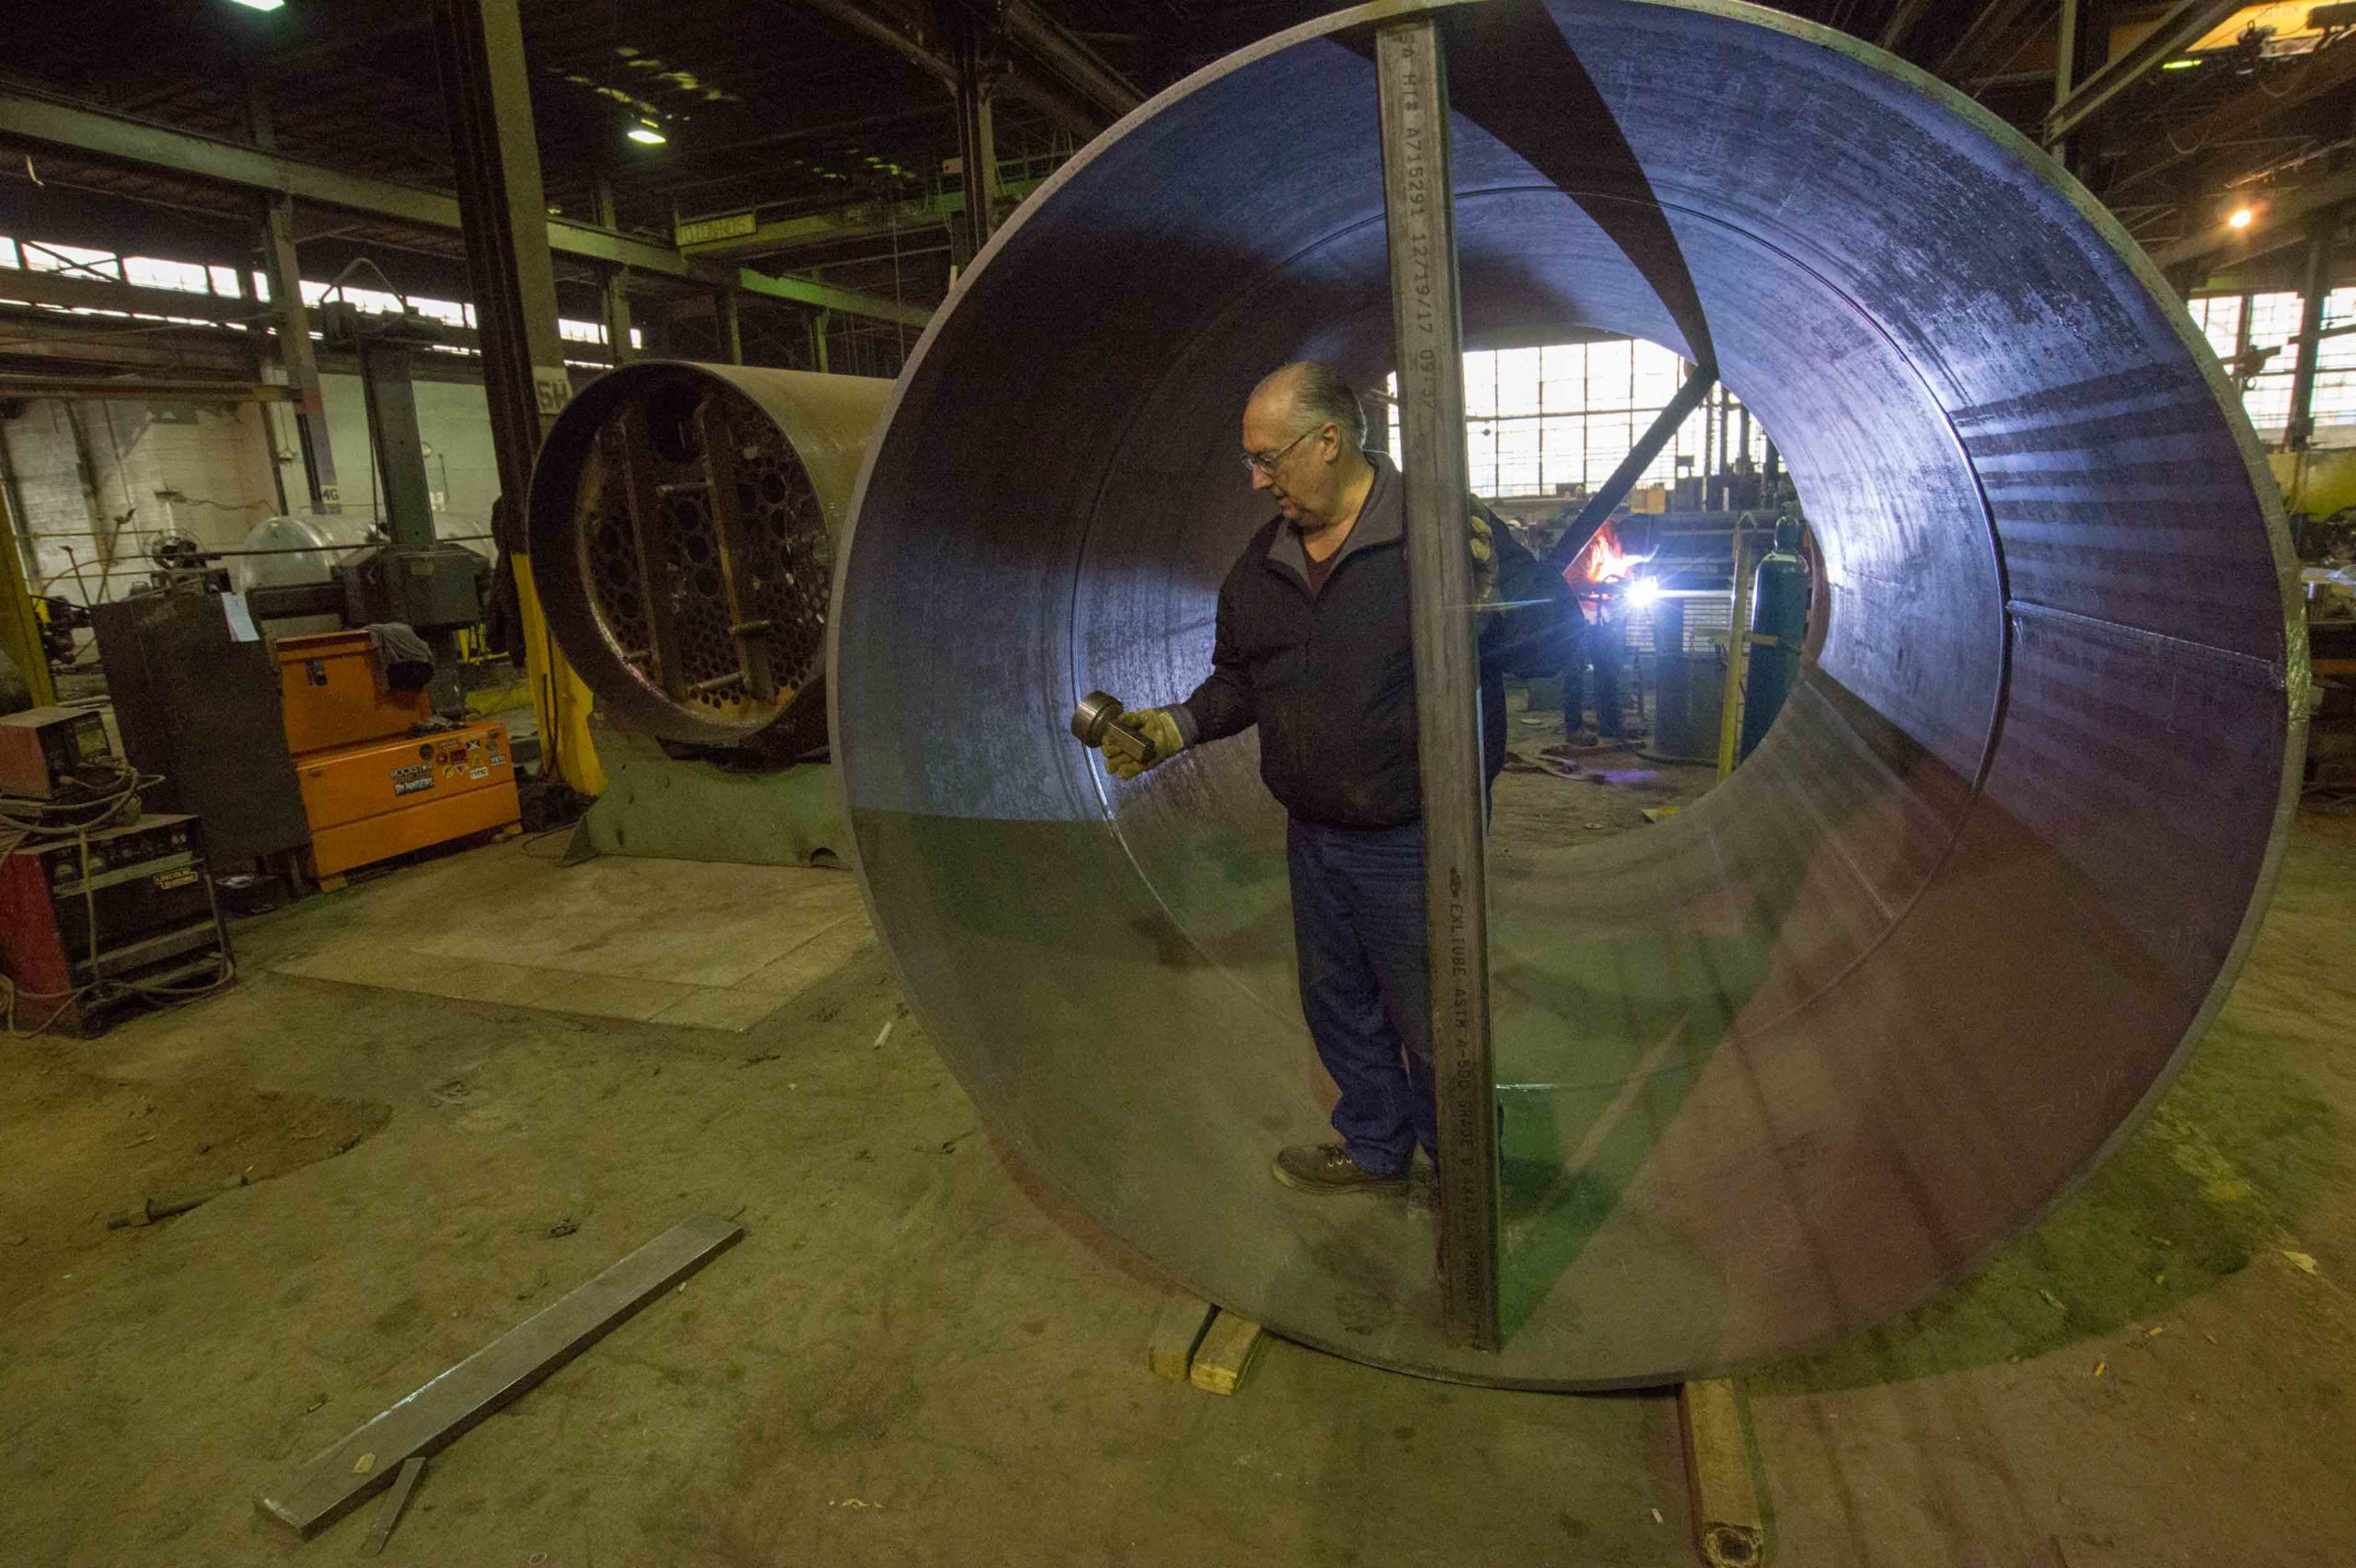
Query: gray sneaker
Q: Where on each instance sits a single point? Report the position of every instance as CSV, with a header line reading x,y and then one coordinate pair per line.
x,y
1328,1168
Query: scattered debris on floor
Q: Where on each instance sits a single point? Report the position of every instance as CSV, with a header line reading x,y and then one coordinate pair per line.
x,y
150,1210
103,1159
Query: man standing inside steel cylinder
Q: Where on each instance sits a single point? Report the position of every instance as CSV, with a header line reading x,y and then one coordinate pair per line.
x,y
1312,646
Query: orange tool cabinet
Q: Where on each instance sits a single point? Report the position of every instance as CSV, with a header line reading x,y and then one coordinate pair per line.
x,y
328,681
372,787
371,801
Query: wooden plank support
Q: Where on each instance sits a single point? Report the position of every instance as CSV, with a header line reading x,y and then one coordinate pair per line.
x,y
1177,1333
1225,1355
745,624
1726,1527
1419,209
349,1472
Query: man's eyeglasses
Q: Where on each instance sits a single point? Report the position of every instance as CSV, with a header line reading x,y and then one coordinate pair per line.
x,y
1267,464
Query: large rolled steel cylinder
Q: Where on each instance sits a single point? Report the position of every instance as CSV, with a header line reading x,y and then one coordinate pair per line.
x,y
1789,1062
681,522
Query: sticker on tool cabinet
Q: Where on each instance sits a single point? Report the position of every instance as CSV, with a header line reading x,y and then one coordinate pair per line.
x,y
411,779
479,773
180,878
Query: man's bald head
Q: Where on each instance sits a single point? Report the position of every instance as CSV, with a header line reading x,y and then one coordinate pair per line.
x,y
1304,395
1304,435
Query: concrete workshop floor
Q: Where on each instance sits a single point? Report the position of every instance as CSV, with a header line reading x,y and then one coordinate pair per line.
x,y
916,1356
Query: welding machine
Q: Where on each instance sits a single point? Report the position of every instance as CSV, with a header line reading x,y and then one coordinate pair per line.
x,y
45,750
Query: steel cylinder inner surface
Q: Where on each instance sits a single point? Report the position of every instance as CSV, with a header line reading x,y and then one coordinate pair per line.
x,y
1776,1069
682,522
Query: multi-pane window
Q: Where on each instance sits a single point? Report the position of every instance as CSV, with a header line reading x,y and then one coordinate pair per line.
x,y
148,272
2265,377
1539,421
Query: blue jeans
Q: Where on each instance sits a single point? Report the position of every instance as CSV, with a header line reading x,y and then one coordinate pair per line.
x,y
1357,920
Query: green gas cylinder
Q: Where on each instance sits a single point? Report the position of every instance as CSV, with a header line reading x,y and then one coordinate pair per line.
x,y
1779,612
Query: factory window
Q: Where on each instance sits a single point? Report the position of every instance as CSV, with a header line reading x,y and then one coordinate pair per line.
x,y
192,278
2272,355
2220,319
148,272
2267,359
1549,420
77,259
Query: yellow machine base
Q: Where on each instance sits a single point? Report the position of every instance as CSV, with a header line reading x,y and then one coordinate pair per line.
x,y
370,802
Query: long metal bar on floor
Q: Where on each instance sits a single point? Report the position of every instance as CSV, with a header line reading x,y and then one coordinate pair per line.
x,y
1419,206
1613,491
341,1479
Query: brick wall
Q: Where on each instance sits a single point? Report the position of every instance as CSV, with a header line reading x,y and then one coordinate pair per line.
x,y
99,482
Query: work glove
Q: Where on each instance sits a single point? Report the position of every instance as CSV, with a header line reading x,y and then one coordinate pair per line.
x,y
1159,730
1484,557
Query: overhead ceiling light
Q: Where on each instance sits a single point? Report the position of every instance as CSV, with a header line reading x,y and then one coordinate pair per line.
x,y
647,134
2241,218
261,5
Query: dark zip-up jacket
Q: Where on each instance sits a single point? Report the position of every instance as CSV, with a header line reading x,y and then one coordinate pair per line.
x,y
1330,678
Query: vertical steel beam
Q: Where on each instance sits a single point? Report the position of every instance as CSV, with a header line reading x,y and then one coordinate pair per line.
x,y
976,52
618,337
274,241
730,325
2323,230
1419,206
2081,52
503,211
614,297
976,145
387,386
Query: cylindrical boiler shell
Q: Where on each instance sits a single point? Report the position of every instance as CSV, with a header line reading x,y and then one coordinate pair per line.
x,y
682,522
1792,1060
